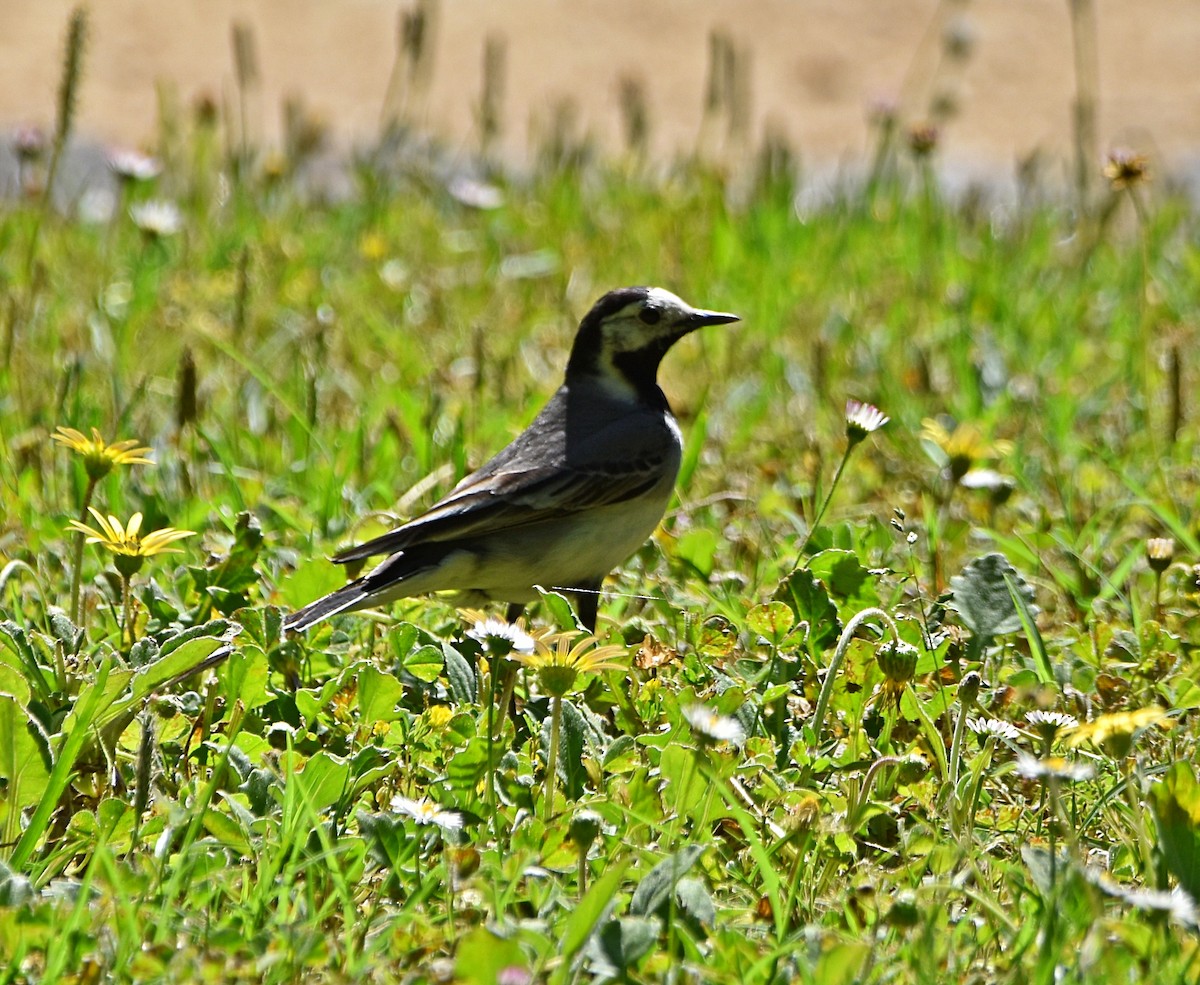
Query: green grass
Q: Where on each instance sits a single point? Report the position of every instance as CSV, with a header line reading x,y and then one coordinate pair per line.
x,y
236,824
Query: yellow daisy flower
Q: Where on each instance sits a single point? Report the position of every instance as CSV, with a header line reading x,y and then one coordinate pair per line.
x,y
99,456
128,545
559,666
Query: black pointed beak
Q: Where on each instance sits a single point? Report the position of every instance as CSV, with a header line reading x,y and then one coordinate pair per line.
x,y
699,318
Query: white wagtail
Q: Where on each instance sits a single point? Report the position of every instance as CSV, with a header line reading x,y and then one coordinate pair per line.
x,y
573,496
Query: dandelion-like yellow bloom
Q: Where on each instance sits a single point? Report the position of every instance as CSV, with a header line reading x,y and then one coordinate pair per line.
x,y
99,456
1115,731
558,667
963,447
126,542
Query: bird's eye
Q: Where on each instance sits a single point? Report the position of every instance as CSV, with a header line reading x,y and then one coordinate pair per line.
x,y
650,316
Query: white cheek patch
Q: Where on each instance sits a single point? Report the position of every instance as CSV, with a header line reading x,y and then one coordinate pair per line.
x,y
627,334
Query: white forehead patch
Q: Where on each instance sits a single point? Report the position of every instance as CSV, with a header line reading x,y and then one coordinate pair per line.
x,y
665,299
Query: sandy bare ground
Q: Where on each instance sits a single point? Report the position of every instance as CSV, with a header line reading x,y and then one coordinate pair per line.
x,y
814,67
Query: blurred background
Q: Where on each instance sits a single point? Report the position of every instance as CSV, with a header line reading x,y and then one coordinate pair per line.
x,y
1003,80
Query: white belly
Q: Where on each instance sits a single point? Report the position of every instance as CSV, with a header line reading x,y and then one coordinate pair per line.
x,y
576,551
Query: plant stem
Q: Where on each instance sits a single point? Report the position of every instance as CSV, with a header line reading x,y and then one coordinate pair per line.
x,y
552,758
127,626
825,505
818,719
77,551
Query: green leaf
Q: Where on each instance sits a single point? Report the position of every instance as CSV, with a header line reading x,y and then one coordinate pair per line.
x,y
387,838
809,600
378,695
87,706
558,609
482,955
402,637
176,660
698,549
841,571
594,907
694,900
1027,615
460,676
24,765
570,749
227,577
245,676
656,886
18,652
620,944
322,779
841,963
424,663
1176,803
771,620
685,787
983,600
468,765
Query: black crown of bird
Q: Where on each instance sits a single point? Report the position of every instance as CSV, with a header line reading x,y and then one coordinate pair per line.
x,y
570,499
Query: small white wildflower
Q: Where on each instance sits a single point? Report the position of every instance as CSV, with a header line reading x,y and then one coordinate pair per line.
x,y
157,218
425,811
487,632
993,727
1050,722
1054,768
709,726
132,165
475,194
863,419
987,479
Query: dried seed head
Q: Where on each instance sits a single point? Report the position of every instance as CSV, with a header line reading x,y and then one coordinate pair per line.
x,y
1126,168
922,139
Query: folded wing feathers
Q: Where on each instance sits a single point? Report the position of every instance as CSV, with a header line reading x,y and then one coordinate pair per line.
x,y
505,500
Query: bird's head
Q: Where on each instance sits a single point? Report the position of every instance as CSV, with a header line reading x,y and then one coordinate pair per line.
x,y
623,338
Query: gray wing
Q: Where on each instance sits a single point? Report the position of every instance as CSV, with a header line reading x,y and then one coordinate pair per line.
x,y
547,473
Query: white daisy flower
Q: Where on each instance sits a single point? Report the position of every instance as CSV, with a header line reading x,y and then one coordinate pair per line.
x,y
1048,723
425,811
862,419
709,726
132,165
487,631
993,727
1054,768
157,218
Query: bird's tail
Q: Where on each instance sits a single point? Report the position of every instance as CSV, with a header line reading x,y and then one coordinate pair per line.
x,y
348,597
